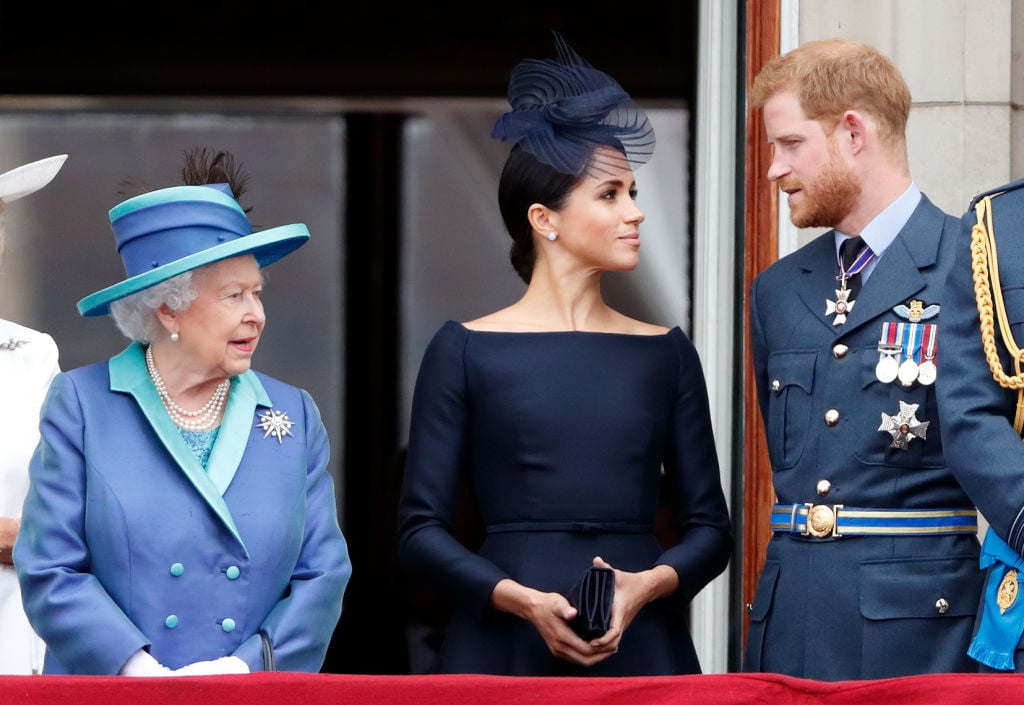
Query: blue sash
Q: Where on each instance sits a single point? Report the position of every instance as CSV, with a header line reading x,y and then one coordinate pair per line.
x,y
998,633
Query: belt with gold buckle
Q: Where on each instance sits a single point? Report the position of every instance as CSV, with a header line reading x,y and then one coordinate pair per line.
x,y
839,520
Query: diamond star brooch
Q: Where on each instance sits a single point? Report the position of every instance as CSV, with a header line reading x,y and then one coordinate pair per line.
x,y
276,424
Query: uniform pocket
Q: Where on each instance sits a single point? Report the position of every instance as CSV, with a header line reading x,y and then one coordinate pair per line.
x,y
923,449
928,603
790,385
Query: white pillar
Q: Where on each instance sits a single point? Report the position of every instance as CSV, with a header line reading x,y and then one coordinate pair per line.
x,y
715,283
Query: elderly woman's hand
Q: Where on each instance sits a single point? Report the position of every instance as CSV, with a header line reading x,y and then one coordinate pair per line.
x,y
221,666
142,664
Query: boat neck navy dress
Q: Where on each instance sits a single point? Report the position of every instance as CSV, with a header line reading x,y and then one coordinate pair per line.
x,y
563,437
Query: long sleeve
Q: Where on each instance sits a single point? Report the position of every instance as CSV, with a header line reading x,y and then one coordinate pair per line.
x,y
301,624
981,445
435,463
699,509
66,604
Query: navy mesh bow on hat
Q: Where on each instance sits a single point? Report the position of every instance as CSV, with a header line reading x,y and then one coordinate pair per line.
x,y
562,109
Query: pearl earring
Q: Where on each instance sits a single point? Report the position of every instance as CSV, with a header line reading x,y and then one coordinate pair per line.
x,y
552,236
175,337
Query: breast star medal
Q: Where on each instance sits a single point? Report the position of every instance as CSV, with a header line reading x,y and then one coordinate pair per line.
x,y
840,307
275,423
1007,593
904,426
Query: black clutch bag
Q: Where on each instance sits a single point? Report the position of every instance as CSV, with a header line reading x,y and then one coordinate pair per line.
x,y
592,597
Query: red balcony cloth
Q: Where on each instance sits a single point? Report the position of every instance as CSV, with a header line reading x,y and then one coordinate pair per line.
x,y
330,689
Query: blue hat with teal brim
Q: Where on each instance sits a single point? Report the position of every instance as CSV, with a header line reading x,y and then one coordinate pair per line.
x,y
164,233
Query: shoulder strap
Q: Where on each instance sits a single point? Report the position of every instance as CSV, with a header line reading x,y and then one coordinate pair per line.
x,y
993,192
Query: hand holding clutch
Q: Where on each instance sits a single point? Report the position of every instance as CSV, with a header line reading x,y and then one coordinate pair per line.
x,y
592,597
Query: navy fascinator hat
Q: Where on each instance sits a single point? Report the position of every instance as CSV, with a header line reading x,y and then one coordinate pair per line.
x,y
563,109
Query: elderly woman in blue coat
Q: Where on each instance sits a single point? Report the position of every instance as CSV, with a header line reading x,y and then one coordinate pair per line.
x,y
180,517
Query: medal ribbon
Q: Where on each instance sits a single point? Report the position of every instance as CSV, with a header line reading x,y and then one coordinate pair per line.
x,y
910,339
928,342
887,367
863,258
888,334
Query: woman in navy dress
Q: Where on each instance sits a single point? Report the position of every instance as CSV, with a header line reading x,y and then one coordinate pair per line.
x,y
568,418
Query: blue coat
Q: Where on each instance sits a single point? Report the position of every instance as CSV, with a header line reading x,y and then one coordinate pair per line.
x,y
857,606
126,542
977,413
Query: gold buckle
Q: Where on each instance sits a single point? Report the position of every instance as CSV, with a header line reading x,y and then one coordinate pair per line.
x,y
821,520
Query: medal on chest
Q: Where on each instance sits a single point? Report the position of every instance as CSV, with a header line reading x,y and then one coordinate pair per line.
x,y
904,426
927,371
840,307
844,302
907,349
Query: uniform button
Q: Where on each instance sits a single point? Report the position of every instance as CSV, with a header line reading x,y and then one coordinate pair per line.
x,y
171,622
749,607
228,624
823,487
831,417
233,572
839,351
177,569
941,606
776,385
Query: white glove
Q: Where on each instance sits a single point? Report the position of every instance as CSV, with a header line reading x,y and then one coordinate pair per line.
x,y
221,666
142,663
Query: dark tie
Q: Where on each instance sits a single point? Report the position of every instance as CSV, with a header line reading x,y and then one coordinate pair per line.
x,y
848,251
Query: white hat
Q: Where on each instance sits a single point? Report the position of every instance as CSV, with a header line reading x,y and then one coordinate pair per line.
x,y
28,178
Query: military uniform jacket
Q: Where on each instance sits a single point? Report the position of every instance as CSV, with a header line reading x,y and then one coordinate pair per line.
x,y
857,606
977,412
127,542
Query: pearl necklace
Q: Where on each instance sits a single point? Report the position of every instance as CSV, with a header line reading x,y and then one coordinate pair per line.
x,y
203,418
